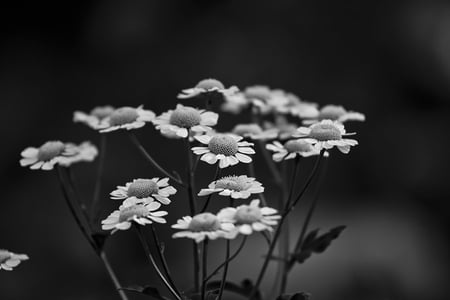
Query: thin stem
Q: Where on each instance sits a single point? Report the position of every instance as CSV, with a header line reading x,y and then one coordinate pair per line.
x,y
225,268
141,148
287,210
153,262
204,267
216,176
163,259
270,164
252,173
98,180
235,254
75,189
113,276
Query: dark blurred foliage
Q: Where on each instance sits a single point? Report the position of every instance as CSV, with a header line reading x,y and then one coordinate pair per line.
x,y
388,59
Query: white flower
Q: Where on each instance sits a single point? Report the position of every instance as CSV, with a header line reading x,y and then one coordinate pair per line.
x,y
126,118
86,151
225,148
335,113
288,103
133,210
10,260
95,117
207,87
201,226
291,149
177,123
249,218
145,190
254,132
326,135
238,187
47,156
283,127
235,103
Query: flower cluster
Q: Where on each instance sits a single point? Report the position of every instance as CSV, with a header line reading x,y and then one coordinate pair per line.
x,y
10,260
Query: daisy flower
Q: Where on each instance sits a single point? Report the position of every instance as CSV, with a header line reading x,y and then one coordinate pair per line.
x,y
95,117
207,87
249,218
335,113
283,127
225,148
178,122
86,151
133,210
201,226
238,187
291,149
10,260
47,156
254,131
126,118
145,190
325,135
235,103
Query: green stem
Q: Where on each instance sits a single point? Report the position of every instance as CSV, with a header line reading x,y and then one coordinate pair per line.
x,y
252,173
98,181
216,176
204,267
113,276
225,268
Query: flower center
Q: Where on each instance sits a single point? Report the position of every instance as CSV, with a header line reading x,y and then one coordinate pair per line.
x,y
331,112
185,117
248,215
223,144
325,132
102,112
123,115
209,84
258,91
297,146
231,183
135,210
50,150
142,188
4,256
244,129
204,222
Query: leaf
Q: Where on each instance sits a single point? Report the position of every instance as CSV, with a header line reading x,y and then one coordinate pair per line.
x,y
244,289
317,244
145,290
296,296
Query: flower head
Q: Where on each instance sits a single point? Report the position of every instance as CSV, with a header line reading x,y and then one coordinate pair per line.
x,y
146,190
237,187
134,210
10,260
325,135
86,151
283,127
207,87
335,113
228,149
47,156
201,226
288,103
177,123
126,118
291,149
249,218
254,132
95,117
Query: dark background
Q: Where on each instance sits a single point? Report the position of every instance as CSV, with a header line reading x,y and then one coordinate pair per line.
x,y
388,59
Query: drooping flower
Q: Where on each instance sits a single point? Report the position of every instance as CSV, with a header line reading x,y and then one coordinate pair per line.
x,y
325,135
207,87
134,210
236,187
47,156
10,260
85,152
291,149
335,113
201,226
254,132
126,118
249,218
95,117
145,190
228,149
177,123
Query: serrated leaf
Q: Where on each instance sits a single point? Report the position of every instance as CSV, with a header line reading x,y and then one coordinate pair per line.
x,y
296,296
145,290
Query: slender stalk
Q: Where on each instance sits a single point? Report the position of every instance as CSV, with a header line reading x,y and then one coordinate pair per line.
x,y
225,268
98,180
153,262
270,164
216,176
113,276
204,267
251,171
163,259
74,188
144,152
288,209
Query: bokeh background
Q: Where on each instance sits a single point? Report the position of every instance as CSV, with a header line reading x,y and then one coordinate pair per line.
x,y
388,59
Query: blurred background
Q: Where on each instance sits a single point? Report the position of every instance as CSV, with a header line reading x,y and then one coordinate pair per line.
x,y
387,59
